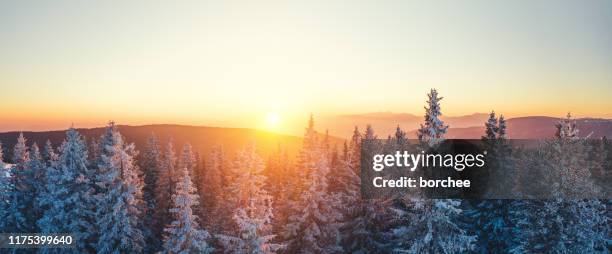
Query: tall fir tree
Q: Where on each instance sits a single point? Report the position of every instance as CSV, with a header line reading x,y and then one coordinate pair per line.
x,y
432,131
23,191
50,157
502,133
94,151
68,196
120,202
183,234
490,218
280,179
357,231
491,128
252,207
151,166
430,225
213,189
4,191
566,128
569,221
164,189
187,159
314,223
37,167
1,155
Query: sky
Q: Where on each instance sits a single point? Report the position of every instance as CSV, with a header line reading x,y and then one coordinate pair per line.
x,y
235,63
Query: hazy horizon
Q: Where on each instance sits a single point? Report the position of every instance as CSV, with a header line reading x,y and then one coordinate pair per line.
x,y
294,128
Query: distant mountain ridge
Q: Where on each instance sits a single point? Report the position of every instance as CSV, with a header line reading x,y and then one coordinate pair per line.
x,y
201,138
467,126
537,127
204,138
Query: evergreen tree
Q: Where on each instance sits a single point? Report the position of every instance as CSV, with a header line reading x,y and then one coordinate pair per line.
x,y
431,228
151,164
94,152
501,129
490,219
213,189
433,129
400,138
164,189
4,192
491,127
36,179
566,128
183,234
283,186
23,191
50,157
430,225
313,226
199,182
568,222
252,207
280,183
1,156
68,195
187,159
355,148
357,231
120,196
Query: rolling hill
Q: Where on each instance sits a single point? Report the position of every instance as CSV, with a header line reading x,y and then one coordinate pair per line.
x,y
467,126
201,138
385,122
537,127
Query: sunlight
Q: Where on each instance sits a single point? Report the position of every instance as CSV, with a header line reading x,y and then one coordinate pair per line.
x,y
272,119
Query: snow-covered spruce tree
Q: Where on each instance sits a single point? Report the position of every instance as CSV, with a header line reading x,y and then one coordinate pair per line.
x,y
120,205
4,191
491,128
37,167
433,129
213,189
50,157
198,180
400,138
183,234
569,222
164,188
23,191
280,181
584,220
151,164
501,128
359,231
566,128
430,225
68,196
313,225
252,207
187,159
1,155
354,147
490,218
94,151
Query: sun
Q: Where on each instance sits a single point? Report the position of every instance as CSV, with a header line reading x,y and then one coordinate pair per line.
x,y
272,119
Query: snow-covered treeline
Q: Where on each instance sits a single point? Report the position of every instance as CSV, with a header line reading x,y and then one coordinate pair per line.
x,y
175,200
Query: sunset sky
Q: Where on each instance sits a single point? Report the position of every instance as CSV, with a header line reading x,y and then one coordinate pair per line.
x,y
242,63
